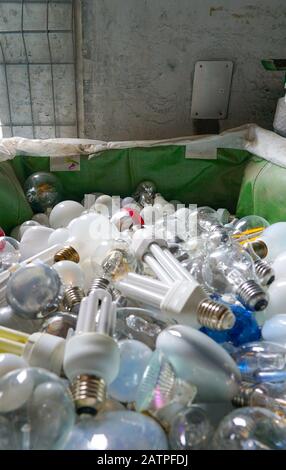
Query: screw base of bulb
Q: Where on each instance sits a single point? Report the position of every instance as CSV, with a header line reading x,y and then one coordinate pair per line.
x,y
243,397
264,272
104,283
72,298
214,315
89,393
68,253
252,296
100,283
260,248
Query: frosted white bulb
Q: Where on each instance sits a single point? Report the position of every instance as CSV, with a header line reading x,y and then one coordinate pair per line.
x,y
87,267
9,362
279,266
62,214
92,227
199,360
168,209
42,218
100,209
34,240
274,329
101,228
150,215
275,239
277,298
58,237
106,200
70,273
26,225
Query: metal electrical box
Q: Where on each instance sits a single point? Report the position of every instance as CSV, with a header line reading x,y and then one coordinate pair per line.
x,y
211,89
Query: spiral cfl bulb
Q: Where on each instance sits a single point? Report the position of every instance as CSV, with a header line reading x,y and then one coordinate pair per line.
x,y
91,360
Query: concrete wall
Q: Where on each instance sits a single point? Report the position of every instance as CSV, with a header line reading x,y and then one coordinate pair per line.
x,y
139,56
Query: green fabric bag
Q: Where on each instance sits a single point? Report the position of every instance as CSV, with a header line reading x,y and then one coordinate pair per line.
x,y
243,170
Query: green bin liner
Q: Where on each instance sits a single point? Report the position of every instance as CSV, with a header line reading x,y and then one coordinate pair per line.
x,y
241,169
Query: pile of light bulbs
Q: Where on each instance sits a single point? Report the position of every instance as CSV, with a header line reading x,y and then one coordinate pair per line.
x,y
125,322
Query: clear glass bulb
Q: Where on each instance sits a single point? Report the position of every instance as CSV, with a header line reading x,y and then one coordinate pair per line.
x,y
261,362
250,221
117,430
161,392
43,191
70,273
190,430
207,219
267,395
116,259
228,270
64,212
134,357
33,289
9,252
38,409
250,428
145,193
